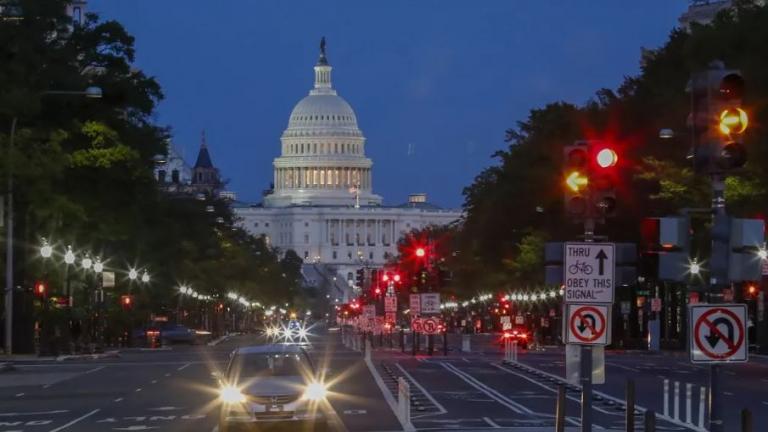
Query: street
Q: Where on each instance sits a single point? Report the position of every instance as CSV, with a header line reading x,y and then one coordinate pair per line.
x,y
173,390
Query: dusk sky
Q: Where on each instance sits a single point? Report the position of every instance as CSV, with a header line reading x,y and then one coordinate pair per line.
x,y
434,83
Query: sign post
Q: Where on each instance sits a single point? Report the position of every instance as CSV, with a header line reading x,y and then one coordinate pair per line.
x,y
415,312
717,334
588,275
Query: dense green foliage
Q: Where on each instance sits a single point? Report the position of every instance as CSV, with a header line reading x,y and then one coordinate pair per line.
x,y
82,170
510,204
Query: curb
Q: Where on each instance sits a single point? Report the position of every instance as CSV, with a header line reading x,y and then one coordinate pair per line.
x,y
108,354
219,340
6,367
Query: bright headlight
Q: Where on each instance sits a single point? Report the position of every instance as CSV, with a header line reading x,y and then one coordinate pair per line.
x,y
302,333
315,391
231,394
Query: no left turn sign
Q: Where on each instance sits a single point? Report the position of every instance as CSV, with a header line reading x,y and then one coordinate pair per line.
x,y
588,324
718,333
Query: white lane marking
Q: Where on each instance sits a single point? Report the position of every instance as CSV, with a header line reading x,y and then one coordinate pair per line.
x,y
166,408
728,393
552,389
46,386
491,422
765,402
355,412
168,374
405,423
19,394
423,390
603,394
493,394
465,360
184,367
154,381
93,370
62,427
138,389
33,413
117,400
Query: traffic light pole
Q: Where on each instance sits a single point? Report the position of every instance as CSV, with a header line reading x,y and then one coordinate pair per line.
x,y
718,211
585,375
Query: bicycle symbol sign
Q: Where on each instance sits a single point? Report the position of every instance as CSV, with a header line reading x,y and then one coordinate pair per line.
x,y
588,272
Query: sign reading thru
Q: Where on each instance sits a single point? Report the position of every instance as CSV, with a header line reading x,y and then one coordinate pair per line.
x,y
588,272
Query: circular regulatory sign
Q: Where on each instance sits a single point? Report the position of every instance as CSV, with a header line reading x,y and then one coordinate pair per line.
x,y
587,323
718,333
430,325
416,325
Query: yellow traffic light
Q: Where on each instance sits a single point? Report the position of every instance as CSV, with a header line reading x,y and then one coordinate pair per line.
x,y
733,121
576,181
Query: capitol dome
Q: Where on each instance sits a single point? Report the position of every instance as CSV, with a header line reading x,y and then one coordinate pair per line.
x,y
323,151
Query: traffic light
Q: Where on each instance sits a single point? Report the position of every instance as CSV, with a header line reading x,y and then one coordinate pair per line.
x,y
126,302
575,178
375,276
718,121
751,291
360,277
396,278
590,177
732,122
41,289
604,178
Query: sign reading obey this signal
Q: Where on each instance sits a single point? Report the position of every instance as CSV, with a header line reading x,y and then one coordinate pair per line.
x,y
588,272
718,333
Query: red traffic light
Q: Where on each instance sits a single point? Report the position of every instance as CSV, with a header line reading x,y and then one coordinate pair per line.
x,y
396,277
385,277
378,291
40,289
126,301
606,158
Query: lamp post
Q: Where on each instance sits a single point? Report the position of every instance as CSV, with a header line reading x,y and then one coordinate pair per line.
x,y
45,329
69,259
91,93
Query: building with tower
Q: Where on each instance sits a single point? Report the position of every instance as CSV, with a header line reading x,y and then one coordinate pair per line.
x,y
322,204
175,176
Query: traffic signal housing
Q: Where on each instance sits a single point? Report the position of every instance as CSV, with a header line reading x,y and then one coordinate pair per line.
x,y
576,179
590,177
41,289
126,302
360,277
718,119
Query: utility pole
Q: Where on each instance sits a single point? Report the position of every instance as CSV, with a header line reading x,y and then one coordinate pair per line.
x,y
9,243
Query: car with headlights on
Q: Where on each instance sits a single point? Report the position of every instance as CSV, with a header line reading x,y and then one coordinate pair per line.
x,y
272,387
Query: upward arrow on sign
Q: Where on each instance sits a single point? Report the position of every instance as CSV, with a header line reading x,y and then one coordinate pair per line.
x,y
601,256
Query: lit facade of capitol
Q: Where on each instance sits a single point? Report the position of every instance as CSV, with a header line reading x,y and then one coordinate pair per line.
x,y
322,205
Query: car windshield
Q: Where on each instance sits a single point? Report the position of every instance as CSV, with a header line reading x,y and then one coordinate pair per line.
x,y
267,365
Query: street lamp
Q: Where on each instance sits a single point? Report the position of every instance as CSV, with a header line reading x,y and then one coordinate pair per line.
x,y
46,250
86,262
145,277
98,266
69,256
133,274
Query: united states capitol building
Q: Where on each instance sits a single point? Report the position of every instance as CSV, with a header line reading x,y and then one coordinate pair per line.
x,y
322,204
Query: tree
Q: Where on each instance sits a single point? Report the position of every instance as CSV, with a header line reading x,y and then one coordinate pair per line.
x,y
522,194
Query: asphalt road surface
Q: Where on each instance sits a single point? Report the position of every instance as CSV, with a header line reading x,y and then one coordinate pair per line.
x,y
173,390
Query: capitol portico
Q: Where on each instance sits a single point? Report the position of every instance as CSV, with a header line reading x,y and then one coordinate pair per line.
x,y
322,204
